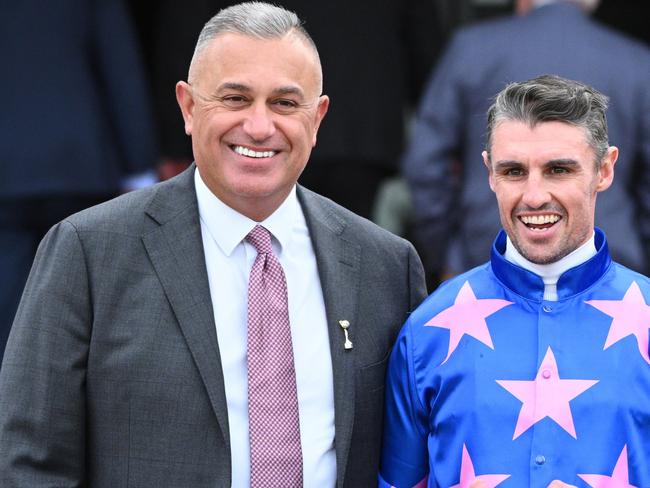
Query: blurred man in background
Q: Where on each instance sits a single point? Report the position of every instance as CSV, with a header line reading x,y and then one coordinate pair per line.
x,y
76,124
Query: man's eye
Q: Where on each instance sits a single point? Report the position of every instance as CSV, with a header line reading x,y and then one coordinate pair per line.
x,y
514,172
285,105
558,170
233,100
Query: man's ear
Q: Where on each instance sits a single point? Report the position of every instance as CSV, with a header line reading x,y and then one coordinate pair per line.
x,y
321,110
606,169
185,100
488,165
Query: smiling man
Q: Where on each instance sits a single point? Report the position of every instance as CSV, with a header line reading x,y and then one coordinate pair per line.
x,y
224,328
533,369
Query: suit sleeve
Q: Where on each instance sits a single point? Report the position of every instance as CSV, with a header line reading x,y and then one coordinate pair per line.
x,y
404,461
430,162
42,380
417,284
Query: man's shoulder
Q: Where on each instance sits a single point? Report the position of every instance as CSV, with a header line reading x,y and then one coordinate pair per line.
x,y
621,276
479,282
125,205
344,222
132,212
121,215
482,31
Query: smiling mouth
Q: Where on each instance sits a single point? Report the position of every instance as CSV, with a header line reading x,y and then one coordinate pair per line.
x,y
540,222
244,151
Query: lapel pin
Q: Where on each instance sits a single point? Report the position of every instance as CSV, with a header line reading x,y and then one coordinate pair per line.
x,y
345,324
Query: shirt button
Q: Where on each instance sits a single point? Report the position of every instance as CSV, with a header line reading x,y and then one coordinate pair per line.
x,y
539,459
547,308
546,373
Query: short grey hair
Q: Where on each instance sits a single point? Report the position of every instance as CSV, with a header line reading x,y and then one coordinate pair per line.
x,y
550,98
260,20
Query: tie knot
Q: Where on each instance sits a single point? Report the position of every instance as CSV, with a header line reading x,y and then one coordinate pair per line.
x,y
260,239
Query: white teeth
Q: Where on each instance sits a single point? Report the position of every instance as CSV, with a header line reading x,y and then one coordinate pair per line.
x,y
540,219
244,151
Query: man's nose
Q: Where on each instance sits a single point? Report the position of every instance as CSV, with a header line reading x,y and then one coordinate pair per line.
x,y
536,193
259,124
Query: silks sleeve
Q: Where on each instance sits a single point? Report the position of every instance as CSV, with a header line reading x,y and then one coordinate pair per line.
x,y
405,459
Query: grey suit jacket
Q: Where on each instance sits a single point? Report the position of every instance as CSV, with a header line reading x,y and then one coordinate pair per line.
x,y
112,375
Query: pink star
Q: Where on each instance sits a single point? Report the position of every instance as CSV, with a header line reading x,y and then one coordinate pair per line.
x,y
546,396
631,317
618,479
467,474
467,316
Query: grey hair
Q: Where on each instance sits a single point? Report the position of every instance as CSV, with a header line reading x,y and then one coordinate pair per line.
x,y
260,20
550,98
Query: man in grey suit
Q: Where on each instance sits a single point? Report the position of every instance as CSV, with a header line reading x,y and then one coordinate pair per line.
x,y
126,364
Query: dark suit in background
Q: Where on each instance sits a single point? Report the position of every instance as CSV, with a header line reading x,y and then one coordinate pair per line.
x,y
456,212
376,56
75,121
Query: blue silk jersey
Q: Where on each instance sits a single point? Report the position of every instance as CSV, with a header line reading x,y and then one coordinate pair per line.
x,y
489,381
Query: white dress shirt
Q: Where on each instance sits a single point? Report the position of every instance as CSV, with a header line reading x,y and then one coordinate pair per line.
x,y
550,273
229,260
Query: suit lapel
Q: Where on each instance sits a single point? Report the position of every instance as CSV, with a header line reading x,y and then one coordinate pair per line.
x,y
175,248
338,267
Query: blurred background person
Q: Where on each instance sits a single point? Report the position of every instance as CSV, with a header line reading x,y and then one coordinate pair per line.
x,y
75,128
456,217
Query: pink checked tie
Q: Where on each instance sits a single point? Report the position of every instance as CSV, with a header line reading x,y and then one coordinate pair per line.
x,y
276,455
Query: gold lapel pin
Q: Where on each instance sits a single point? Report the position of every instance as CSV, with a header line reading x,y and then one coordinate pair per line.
x,y
345,324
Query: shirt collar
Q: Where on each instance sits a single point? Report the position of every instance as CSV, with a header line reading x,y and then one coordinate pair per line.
x,y
218,216
552,271
572,280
